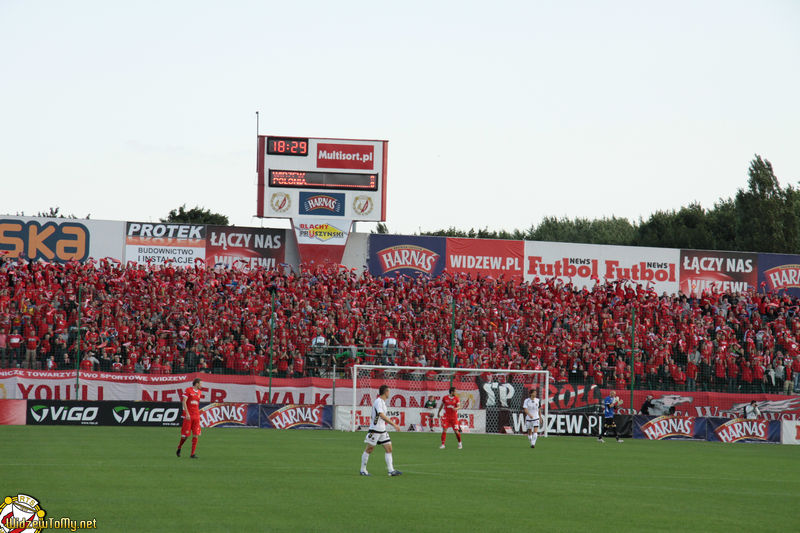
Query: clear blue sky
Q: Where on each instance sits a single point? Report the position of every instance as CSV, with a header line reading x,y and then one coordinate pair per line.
x,y
497,113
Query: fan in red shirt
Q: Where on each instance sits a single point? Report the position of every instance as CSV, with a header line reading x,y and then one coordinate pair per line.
x,y
191,416
450,403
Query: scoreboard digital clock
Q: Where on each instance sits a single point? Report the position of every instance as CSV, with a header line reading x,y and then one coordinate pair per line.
x,y
323,180
287,146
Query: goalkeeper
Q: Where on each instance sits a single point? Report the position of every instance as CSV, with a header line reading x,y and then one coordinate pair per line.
x,y
610,404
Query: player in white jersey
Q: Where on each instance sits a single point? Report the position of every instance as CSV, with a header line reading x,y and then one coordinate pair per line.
x,y
377,433
531,408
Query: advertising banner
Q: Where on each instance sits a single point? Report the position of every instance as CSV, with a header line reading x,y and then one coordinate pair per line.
x,y
402,255
63,413
165,244
740,430
240,248
495,258
790,431
779,272
325,204
12,412
569,424
59,240
710,404
296,416
583,265
411,419
703,270
82,413
321,240
669,427
229,415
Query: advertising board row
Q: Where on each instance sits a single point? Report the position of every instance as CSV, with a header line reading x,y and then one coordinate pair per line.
x,y
661,269
708,429
63,240
161,414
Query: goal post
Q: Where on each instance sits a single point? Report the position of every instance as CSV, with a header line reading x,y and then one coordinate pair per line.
x,y
491,399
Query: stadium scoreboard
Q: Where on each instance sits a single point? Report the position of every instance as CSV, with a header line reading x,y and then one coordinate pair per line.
x,y
306,176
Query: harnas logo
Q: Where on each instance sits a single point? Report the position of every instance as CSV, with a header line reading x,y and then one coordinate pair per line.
x,y
408,256
322,204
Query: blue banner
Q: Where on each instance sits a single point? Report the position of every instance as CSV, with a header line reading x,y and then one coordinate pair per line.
x,y
779,272
324,204
295,416
399,255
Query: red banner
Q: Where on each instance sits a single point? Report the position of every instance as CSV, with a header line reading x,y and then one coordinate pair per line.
x,y
710,404
486,258
12,412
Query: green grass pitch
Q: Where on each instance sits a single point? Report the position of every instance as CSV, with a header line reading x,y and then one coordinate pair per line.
x,y
269,480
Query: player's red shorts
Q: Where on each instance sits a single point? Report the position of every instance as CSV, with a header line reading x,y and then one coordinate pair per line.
x,y
450,422
191,426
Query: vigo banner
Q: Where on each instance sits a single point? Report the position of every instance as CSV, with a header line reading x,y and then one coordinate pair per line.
x,y
583,265
400,255
411,419
240,248
499,259
717,271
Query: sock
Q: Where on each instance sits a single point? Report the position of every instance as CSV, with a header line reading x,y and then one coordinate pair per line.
x,y
389,464
444,436
180,445
364,459
534,437
458,436
530,439
194,444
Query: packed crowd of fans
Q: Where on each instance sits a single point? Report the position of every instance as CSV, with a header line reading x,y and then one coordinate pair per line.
x,y
172,320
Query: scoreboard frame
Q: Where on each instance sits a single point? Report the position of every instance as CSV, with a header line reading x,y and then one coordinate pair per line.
x,y
354,168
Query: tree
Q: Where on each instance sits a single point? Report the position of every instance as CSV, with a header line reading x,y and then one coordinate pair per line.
x,y
53,212
196,215
766,216
381,228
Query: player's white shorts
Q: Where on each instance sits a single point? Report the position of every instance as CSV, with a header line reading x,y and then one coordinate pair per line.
x,y
531,425
377,437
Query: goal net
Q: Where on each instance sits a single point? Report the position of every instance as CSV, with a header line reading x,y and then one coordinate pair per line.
x,y
491,399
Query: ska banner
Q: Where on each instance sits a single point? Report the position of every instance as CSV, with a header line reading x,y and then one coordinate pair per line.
x,y
401,255
56,240
703,270
242,248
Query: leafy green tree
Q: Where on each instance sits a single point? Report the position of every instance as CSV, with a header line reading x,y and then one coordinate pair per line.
x,y
196,215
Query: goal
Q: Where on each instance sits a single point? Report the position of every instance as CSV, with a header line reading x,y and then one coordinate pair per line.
x,y
491,399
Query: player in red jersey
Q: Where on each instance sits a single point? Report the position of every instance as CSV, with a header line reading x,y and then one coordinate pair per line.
x,y
191,416
450,403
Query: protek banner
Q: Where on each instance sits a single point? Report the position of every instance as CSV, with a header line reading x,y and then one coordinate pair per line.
x,y
165,244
